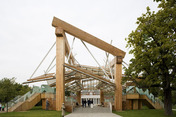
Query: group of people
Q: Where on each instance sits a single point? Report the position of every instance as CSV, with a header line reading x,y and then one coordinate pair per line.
x,y
84,102
1,107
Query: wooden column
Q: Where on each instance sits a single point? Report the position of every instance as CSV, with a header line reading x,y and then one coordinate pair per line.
x,y
79,97
60,59
135,104
101,97
44,104
140,104
118,78
129,105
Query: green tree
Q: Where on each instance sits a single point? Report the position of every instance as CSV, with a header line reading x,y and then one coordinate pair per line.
x,y
153,45
9,89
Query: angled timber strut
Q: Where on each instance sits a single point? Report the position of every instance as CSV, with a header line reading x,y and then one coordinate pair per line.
x,y
87,37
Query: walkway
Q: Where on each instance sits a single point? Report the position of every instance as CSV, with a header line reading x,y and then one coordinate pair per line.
x,y
92,112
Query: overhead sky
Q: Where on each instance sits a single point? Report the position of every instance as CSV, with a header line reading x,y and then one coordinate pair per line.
x,y
26,33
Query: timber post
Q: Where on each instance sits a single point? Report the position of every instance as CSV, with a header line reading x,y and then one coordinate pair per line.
x,y
118,78
102,97
79,97
60,59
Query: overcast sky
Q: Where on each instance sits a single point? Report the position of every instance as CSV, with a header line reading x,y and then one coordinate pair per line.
x,y
26,33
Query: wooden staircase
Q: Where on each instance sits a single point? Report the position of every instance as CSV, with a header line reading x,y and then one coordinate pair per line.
x,y
26,105
135,98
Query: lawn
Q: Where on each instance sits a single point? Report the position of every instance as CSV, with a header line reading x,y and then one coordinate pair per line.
x,y
174,107
34,112
143,113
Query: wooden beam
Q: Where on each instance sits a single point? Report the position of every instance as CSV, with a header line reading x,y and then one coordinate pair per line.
x,y
39,80
132,96
87,37
50,75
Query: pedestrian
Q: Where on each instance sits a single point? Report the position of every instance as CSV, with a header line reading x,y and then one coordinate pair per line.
x,y
3,107
47,104
85,103
88,103
0,106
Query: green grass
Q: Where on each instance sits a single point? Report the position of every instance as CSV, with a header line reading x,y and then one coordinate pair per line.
x,y
143,113
34,112
174,107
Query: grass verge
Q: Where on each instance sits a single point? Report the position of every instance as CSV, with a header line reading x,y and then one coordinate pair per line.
x,y
174,106
143,113
34,112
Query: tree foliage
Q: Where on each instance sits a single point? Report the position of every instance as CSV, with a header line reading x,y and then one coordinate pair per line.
x,y
153,45
9,89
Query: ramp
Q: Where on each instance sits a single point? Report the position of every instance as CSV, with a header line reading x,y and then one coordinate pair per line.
x,y
26,105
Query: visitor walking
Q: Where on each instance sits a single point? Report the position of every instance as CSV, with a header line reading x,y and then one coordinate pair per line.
x,y
47,104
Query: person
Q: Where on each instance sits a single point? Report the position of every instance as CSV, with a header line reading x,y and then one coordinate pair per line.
x,y
102,104
3,107
47,104
0,106
77,104
89,103
85,103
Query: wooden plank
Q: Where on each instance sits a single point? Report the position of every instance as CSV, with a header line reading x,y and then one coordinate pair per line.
x,y
60,78
86,72
87,37
42,76
39,80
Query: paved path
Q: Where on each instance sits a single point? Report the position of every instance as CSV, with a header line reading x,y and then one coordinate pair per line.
x,y
174,109
92,115
92,112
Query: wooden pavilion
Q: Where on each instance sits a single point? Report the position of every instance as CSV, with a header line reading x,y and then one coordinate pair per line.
x,y
74,79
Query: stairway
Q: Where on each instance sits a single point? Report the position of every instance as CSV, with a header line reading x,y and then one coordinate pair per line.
x,y
134,93
26,105
28,100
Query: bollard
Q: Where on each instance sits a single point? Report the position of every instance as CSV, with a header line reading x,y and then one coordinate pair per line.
x,y
63,110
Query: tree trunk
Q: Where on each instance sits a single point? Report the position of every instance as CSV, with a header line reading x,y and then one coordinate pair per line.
x,y
168,101
7,107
